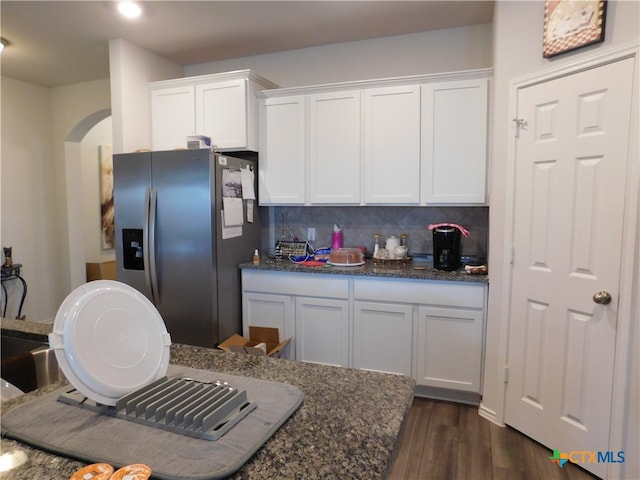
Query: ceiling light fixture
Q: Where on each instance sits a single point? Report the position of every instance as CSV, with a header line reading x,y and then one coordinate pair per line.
x,y
129,9
3,43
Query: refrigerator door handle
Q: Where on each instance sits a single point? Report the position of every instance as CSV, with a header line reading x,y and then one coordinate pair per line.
x,y
145,243
153,272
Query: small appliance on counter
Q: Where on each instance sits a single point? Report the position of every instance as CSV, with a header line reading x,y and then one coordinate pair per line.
x,y
446,245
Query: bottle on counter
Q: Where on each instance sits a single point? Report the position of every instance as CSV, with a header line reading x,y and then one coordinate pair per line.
x,y
376,245
337,238
256,257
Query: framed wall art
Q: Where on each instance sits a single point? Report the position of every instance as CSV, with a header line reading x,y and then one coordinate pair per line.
x,y
572,24
106,197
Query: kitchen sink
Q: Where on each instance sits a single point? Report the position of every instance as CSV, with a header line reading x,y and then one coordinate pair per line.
x,y
12,346
28,364
47,368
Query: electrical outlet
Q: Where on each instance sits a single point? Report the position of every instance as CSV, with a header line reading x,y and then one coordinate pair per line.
x,y
311,234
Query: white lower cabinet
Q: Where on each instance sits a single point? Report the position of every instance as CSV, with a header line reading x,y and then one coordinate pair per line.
x,y
432,331
382,337
269,310
449,348
322,331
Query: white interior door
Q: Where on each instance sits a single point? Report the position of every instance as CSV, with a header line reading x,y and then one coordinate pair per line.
x,y
571,163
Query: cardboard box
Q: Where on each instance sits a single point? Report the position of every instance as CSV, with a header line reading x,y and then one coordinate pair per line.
x,y
261,341
101,271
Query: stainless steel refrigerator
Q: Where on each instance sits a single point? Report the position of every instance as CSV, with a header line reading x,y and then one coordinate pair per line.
x,y
172,243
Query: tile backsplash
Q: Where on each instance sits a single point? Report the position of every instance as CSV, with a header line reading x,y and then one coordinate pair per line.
x,y
360,223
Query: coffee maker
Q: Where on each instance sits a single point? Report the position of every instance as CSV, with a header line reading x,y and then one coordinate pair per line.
x,y
446,245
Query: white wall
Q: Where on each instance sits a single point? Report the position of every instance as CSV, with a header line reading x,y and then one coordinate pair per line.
x,y
34,182
517,52
29,216
447,50
99,135
71,106
131,70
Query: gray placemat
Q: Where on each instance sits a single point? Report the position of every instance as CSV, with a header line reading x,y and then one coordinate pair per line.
x,y
73,432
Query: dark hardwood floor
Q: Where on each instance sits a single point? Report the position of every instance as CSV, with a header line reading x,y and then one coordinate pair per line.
x,y
449,441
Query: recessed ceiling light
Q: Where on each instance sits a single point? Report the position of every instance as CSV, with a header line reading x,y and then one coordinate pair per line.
x,y
3,43
129,9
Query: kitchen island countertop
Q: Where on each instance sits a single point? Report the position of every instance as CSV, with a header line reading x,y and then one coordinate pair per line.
x,y
369,269
347,426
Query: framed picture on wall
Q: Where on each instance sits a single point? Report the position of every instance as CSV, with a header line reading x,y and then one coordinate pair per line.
x,y
572,24
106,198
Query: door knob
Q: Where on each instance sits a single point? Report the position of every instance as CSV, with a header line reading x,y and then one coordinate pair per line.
x,y
603,297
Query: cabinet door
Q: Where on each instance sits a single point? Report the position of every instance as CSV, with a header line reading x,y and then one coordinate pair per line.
x,y
322,331
454,142
268,310
382,337
282,165
221,113
449,348
172,117
334,147
392,145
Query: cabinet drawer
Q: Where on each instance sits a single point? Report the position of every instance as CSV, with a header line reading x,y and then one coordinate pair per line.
x,y
455,294
310,285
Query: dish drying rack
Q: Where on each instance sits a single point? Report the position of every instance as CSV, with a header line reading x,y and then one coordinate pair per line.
x,y
181,405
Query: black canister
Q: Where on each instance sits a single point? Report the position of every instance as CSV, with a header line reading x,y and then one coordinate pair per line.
x,y
446,248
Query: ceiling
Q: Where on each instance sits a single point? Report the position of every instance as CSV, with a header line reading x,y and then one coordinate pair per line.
x,y
58,43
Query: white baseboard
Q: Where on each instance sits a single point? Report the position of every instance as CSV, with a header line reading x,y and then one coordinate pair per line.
x,y
489,414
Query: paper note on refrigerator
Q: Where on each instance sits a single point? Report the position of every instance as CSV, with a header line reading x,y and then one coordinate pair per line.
x,y
250,210
231,183
233,211
229,232
247,176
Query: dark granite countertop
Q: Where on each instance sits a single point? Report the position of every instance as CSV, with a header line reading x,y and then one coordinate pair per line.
x,y
24,329
413,270
347,426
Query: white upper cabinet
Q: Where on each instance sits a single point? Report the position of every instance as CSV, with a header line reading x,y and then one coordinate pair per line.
x,y
221,106
334,148
173,116
392,145
418,140
282,163
454,142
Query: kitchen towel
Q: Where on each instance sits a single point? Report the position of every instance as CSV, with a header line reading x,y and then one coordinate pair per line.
x,y
70,431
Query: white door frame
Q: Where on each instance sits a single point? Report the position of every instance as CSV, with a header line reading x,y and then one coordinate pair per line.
x,y
629,280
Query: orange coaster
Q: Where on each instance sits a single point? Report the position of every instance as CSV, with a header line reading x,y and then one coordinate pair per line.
x,y
137,471
95,471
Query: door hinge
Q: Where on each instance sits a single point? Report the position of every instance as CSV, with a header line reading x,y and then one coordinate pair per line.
x,y
521,123
506,374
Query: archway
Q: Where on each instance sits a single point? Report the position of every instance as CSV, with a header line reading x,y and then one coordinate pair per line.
x,y
73,177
